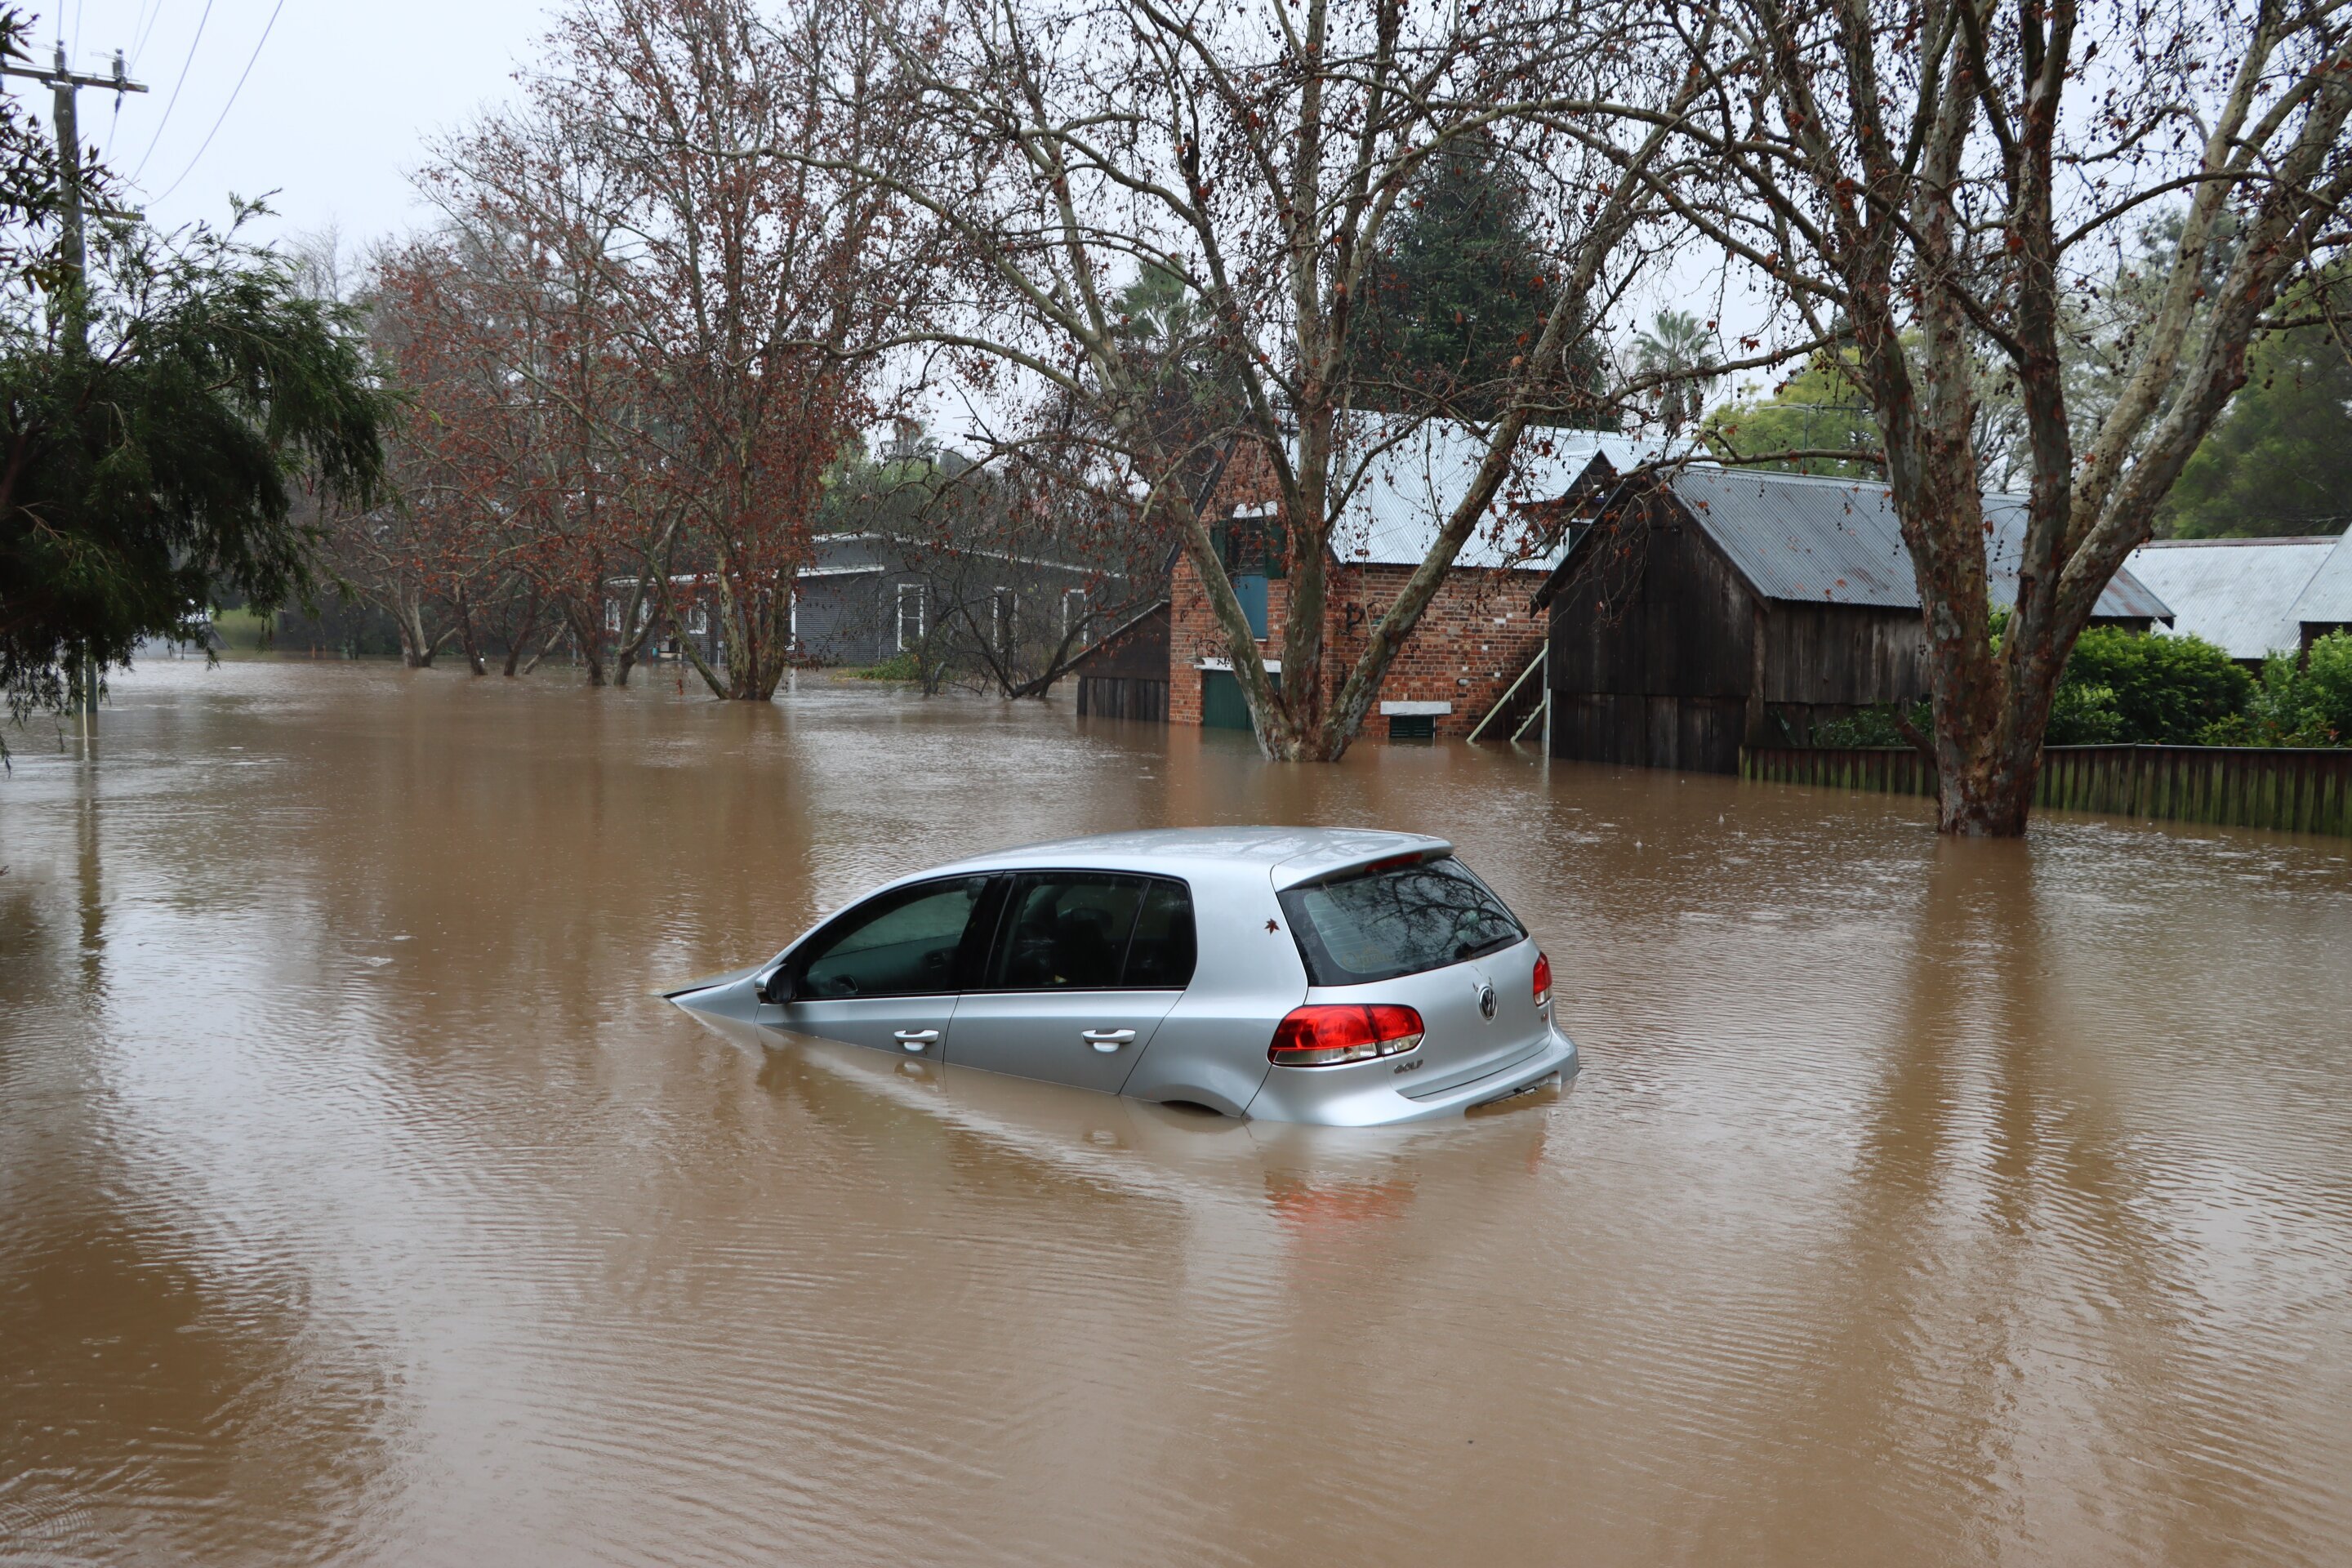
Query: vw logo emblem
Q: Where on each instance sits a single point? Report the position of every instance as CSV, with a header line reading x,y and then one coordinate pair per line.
x,y
1486,1003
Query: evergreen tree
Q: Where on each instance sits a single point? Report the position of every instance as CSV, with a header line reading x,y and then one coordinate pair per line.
x,y
151,413
1458,292
2281,459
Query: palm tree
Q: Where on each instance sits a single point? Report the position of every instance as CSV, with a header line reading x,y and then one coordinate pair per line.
x,y
1680,346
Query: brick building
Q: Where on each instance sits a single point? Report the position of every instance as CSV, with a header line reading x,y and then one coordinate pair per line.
x,y
1479,633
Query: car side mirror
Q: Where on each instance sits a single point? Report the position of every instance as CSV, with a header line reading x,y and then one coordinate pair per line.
x,y
777,986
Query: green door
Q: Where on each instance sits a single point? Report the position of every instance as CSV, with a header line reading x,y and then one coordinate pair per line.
x,y
1222,705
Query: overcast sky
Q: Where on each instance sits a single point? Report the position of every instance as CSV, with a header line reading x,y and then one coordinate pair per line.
x,y
340,98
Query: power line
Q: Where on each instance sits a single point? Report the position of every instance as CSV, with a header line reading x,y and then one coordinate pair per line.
x,y
231,101
151,14
173,101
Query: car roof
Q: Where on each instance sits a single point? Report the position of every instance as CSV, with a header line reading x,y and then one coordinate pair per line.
x,y
1289,855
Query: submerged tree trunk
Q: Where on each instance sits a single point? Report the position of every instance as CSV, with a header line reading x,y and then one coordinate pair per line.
x,y
466,639
587,625
521,639
418,646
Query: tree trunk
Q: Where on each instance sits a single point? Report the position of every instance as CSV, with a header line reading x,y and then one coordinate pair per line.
x,y
521,637
587,625
466,639
417,648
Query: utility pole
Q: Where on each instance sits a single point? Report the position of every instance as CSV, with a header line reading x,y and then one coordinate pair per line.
x,y
63,84
73,314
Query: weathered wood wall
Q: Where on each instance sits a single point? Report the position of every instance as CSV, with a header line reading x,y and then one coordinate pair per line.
x,y
2296,790
1844,657
1123,697
1663,657
1653,610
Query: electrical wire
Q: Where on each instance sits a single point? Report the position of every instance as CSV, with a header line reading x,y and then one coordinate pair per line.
x,y
233,92
172,102
146,30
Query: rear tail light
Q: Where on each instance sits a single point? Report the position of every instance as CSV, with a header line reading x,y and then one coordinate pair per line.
x,y
1543,980
1327,1035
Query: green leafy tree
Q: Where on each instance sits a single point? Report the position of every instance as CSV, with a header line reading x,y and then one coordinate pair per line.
x,y
2280,461
1802,427
2130,688
148,466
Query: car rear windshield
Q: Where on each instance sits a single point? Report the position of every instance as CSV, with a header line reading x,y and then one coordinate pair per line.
x,y
1396,920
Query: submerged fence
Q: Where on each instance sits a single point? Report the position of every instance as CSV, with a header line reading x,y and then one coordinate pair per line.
x,y
2299,791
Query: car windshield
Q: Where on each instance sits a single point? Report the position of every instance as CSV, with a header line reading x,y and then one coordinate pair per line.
x,y
1396,920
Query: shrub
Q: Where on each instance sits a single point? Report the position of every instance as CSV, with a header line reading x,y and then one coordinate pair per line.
x,y
2299,703
1871,728
2129,687
2084,714
2327,687
899,666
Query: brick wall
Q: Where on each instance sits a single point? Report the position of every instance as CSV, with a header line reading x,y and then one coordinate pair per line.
x,y
1472,640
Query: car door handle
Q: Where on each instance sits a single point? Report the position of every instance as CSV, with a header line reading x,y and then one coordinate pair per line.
x,y
914,1039
1106,1040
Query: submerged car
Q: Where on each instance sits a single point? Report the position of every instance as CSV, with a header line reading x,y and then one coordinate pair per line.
x,y
1345,977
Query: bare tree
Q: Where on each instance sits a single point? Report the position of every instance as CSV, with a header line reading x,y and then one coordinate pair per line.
x,y
1943,184
1257,156
756,284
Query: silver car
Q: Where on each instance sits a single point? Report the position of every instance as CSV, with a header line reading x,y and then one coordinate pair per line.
x,y
1331,975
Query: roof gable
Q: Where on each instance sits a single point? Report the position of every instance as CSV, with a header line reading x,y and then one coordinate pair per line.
x,y
2328,596
2237,594
1807,539
1410,485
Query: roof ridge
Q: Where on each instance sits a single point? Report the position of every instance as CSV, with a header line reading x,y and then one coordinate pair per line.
x,y
2258,539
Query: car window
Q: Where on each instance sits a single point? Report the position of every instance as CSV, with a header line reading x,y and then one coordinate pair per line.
x,y
1398,920
902,943
1160,956
1065,930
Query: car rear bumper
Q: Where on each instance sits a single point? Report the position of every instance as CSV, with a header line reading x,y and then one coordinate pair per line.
x,y
1342,1097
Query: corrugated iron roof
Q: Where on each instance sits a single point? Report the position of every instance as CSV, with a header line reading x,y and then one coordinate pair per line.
x,y
1803,538
1410,488
1809,538
2328,596
2234,592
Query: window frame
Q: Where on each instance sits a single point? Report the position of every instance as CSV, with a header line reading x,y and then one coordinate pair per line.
x,y
980,960
983,914
919,594
1314,953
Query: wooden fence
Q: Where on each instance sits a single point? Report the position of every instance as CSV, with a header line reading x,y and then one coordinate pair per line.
x,y
2243,786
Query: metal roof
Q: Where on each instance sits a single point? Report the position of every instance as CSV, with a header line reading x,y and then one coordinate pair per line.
x,y
1809,538
2234,592
1409,487
2328,596
1803,538
2126,598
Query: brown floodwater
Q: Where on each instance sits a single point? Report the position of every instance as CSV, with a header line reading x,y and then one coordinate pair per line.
x,y
360,1202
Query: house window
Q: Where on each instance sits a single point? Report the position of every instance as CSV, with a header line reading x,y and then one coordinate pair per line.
x,y
911,614
1001,607
1074,610
1412,726
1249,587
698,620
611,615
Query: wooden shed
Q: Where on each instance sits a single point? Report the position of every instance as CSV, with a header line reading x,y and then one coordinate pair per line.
x,y
1700,608
1125,676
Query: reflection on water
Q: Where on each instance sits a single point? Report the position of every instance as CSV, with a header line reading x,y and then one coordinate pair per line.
x,y
364,1204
